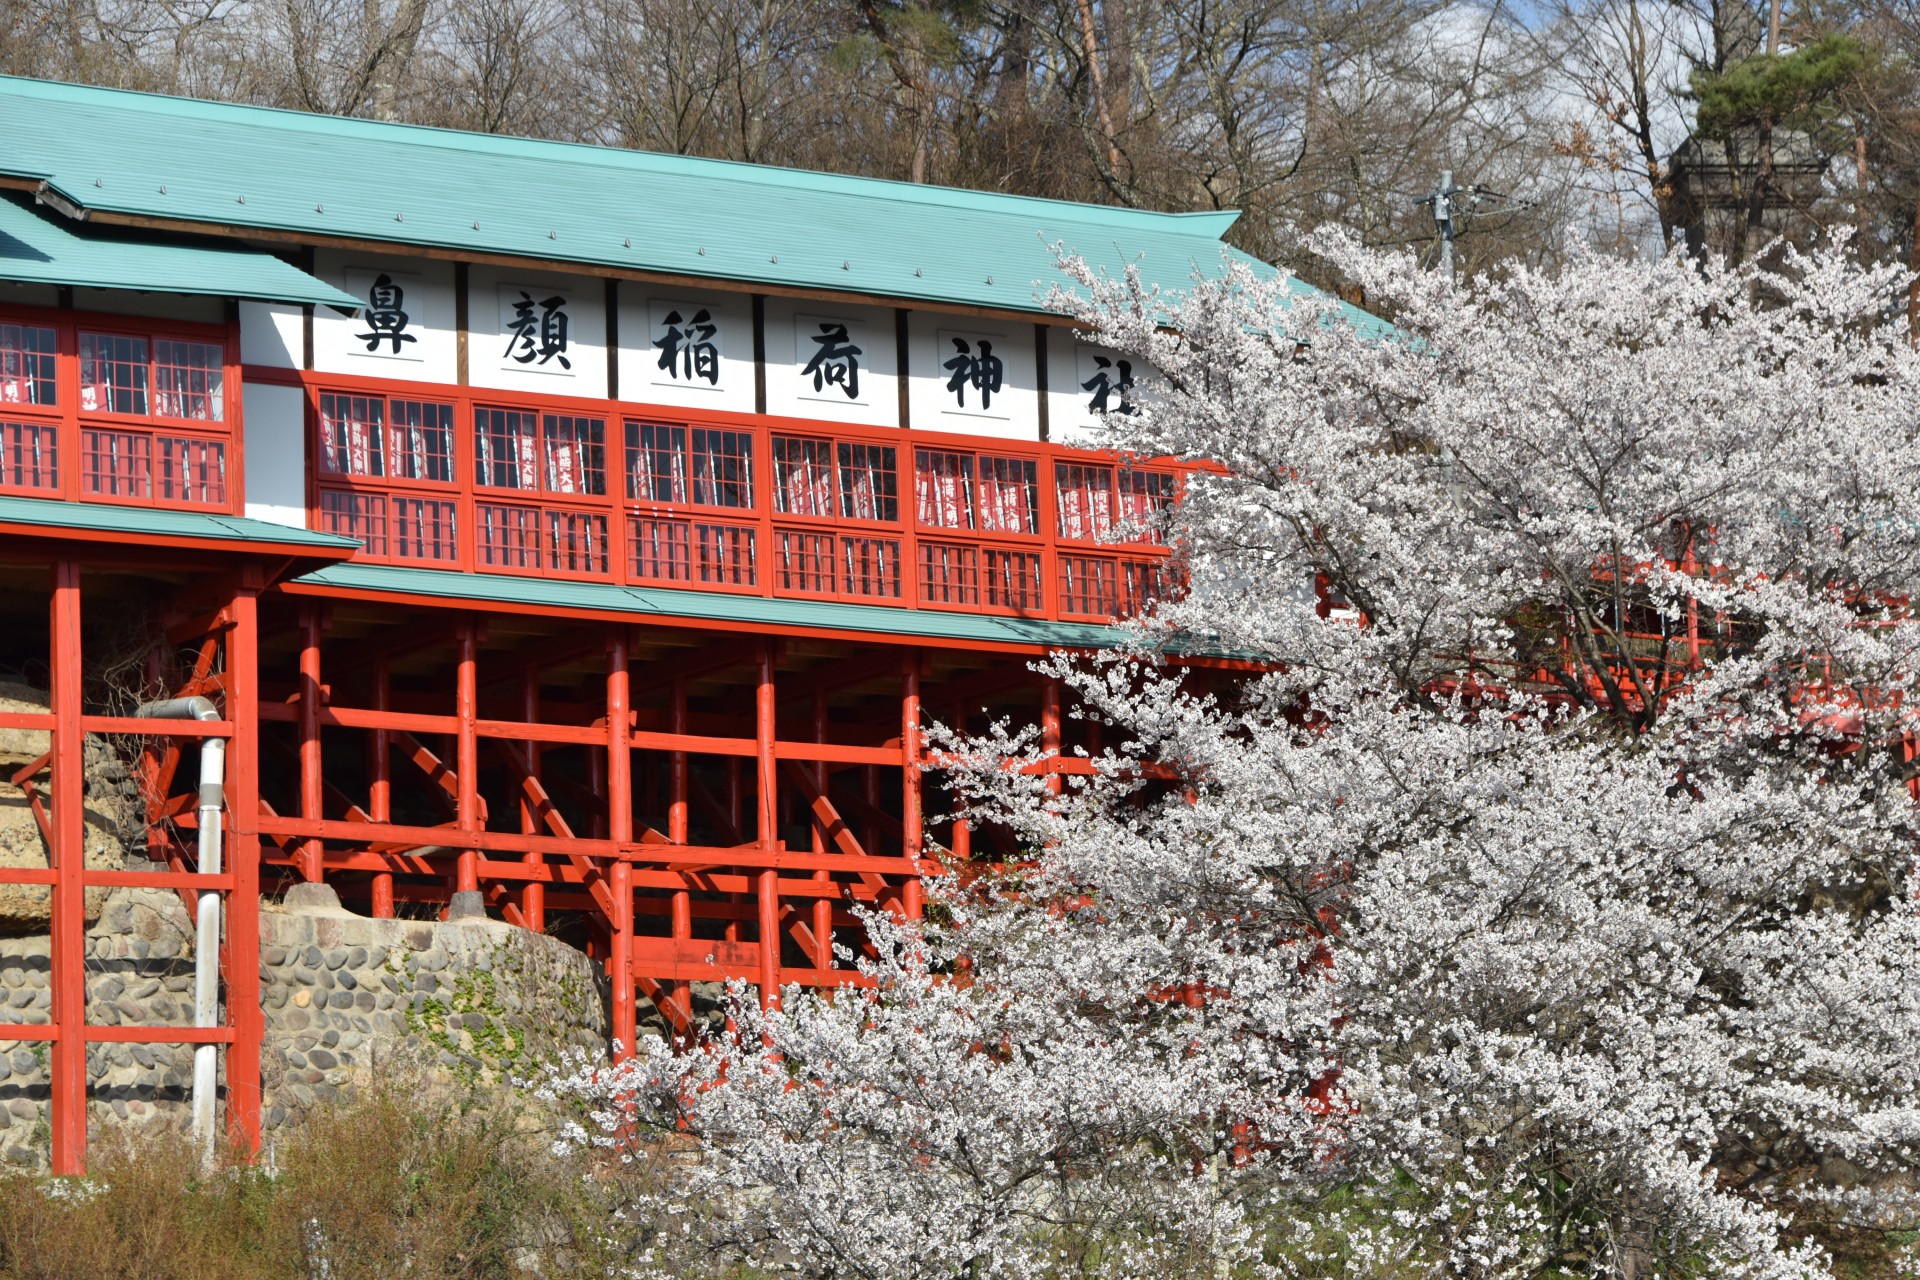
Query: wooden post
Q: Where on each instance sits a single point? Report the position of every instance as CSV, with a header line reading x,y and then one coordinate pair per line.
x,y
68,912
620,831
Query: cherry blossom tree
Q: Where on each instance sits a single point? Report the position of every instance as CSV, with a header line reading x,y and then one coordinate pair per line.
x,y
1544,904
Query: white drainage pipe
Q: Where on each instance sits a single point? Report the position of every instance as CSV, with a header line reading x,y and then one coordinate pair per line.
x,y
206,945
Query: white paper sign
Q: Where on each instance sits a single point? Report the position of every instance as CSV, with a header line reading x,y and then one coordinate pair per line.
x,y
536,329
831,354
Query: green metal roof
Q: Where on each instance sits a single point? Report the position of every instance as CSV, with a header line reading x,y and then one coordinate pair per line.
x,y
45,248
149,156
714,606
134,524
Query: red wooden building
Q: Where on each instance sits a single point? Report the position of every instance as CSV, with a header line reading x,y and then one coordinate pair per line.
x,y
585,533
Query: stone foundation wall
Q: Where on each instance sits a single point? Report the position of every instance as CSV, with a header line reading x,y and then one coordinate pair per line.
x,y
346,998
475,999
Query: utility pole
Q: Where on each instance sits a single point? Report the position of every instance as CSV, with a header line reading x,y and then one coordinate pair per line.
x,y
1445,204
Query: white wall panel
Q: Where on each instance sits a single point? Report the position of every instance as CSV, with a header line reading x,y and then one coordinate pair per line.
x,y
271,334
276,454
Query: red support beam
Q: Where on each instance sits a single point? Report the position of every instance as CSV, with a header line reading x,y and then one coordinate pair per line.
x,y
69,956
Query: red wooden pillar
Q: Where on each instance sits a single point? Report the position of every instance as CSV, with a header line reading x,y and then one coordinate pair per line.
x,y
312,793
822,907
69,957
620,831
244,1013
380,788
682,901
533,898
767,829
1050,731
735,819
913,837
467,754
962,830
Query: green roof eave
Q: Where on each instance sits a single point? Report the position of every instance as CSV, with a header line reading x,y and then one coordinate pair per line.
x,y
158,526
321,179
668,604
41,247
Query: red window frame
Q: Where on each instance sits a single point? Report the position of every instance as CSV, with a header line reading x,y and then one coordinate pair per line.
x,y
57,442
716,501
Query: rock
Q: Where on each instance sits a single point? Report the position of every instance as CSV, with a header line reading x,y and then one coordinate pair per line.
x,y
311,897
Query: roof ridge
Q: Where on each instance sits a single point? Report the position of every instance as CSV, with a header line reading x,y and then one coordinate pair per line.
x,y
482,143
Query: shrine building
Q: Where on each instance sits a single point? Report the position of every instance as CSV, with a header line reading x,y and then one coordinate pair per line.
x,y
574,535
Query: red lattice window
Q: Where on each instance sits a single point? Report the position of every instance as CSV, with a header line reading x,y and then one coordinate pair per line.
x,y
660,550
27,363
869,482
356,515
506,449
656,462
949,575
870,566
353,433
575,454
724,555
29,456
1009,495
1013,580
139,467
114,374
575,542
1084,495
1089,585
187,380
507,537
424,529
169,378
802,476
943,489
722,468
1102,587
1144,497
671,550
805,562
420,441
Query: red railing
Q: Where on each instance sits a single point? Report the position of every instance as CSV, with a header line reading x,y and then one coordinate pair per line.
x,y
608,491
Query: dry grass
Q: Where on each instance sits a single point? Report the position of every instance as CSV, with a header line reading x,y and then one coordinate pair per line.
x,y
452,1189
